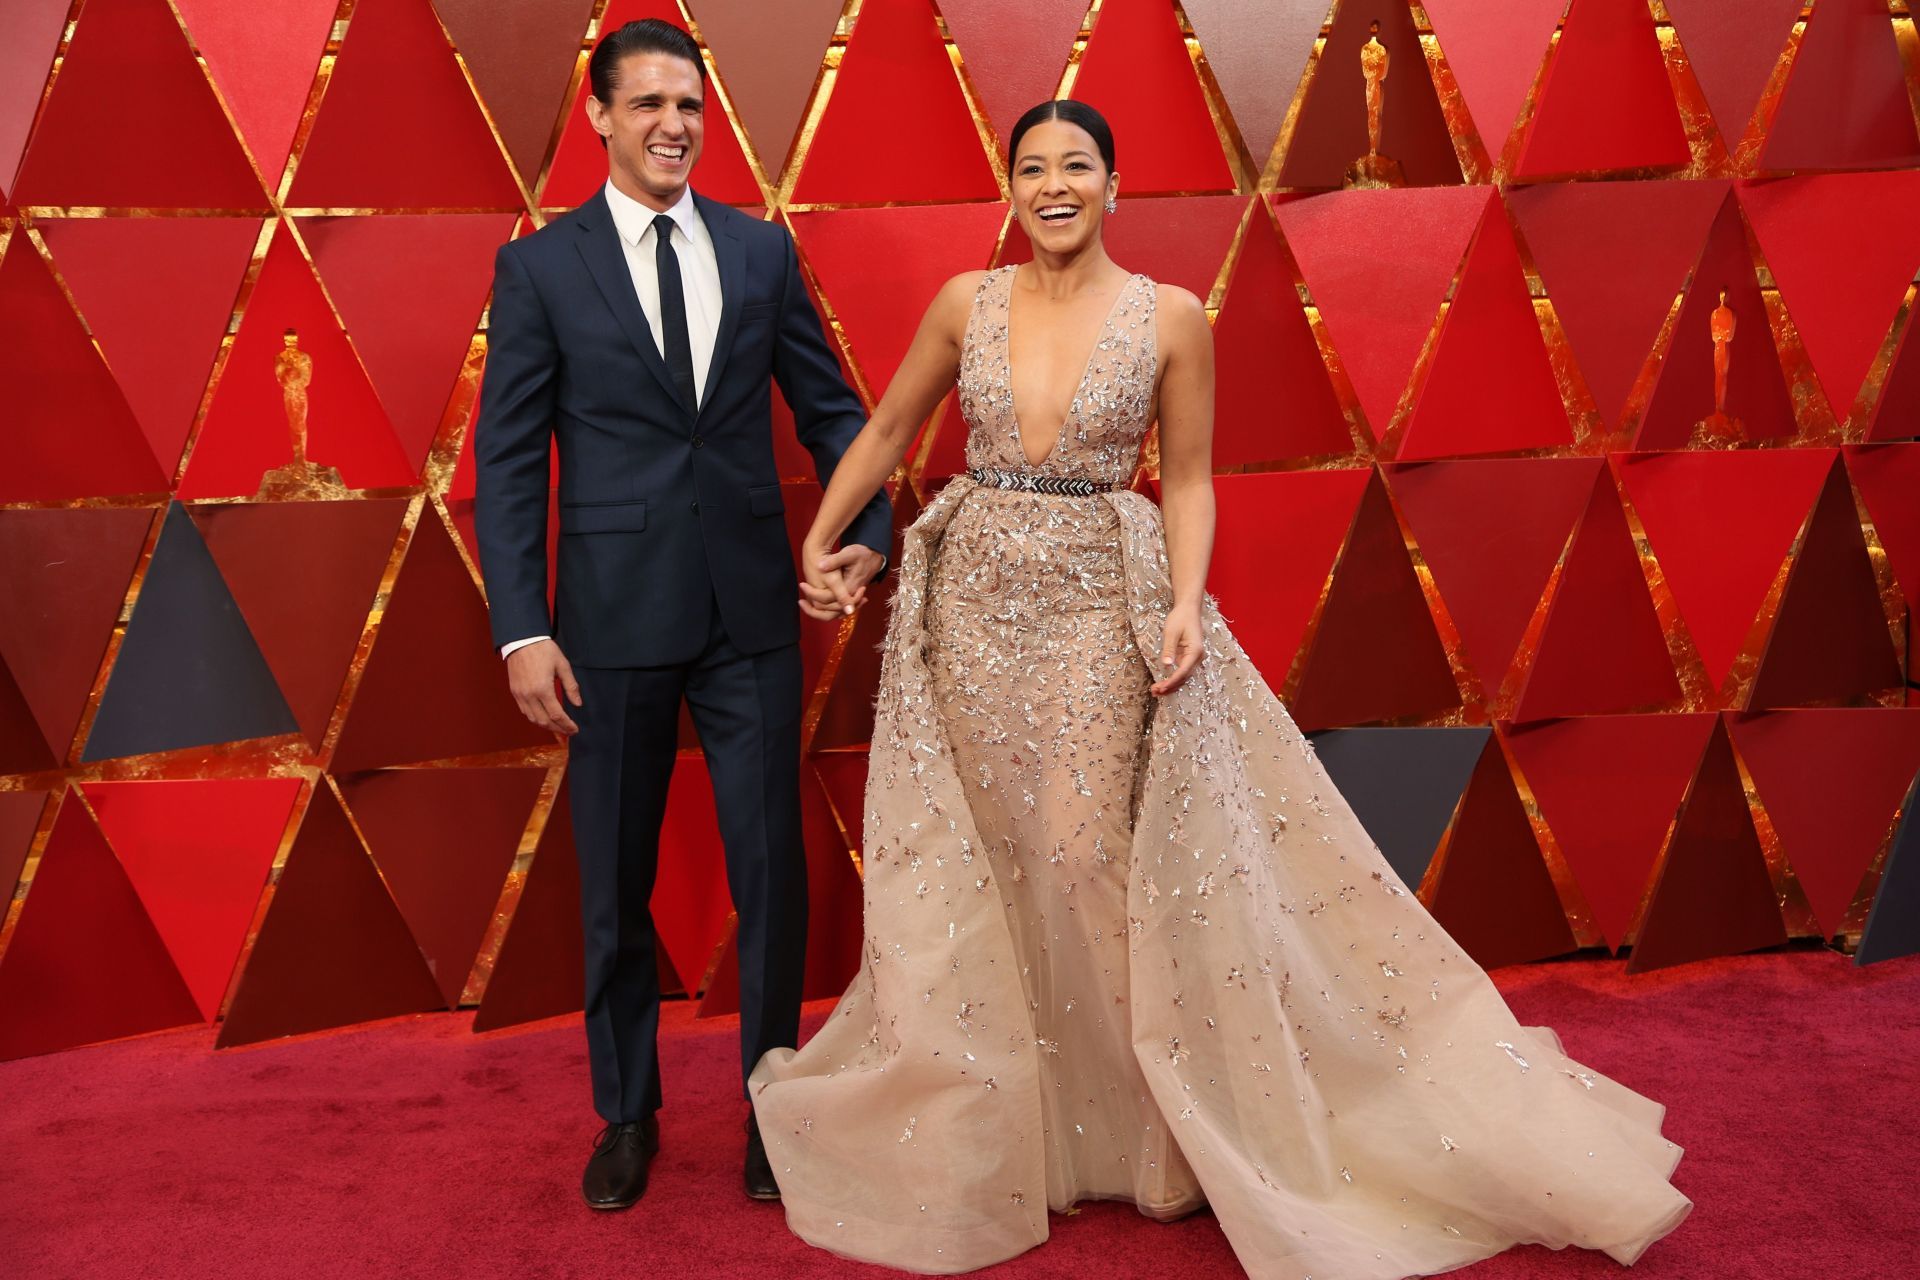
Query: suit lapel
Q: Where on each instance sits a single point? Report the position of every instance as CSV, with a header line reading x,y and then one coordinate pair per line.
x,y
599,244
731,254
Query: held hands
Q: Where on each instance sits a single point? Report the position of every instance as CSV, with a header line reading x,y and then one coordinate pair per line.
x,y
836,581
531,673
1181,648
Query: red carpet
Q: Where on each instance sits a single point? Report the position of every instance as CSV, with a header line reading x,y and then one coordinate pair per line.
x,y
417,1149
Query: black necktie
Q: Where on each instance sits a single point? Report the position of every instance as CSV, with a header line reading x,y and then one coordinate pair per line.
x,y
673,312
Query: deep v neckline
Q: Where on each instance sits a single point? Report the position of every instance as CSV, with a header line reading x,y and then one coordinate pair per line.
x,y
1079,388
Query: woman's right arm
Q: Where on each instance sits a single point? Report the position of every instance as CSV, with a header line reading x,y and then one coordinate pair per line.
x,y
927,373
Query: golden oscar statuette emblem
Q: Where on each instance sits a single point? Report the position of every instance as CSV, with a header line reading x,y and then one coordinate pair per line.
x,y
1721,426
1374,169
298,479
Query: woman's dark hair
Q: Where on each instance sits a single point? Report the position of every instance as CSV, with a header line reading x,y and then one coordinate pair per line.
x,y
1072,112
648,35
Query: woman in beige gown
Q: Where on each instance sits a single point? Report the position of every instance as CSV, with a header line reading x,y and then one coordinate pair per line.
x,y
1124,940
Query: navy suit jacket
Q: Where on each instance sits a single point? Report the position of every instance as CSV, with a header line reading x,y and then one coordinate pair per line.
x,y
662,509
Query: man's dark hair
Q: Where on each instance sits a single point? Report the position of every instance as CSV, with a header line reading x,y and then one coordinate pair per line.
x,y
1073,112
648,35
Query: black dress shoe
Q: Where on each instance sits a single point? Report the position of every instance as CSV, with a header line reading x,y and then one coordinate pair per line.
x,y
760,1180
616,1176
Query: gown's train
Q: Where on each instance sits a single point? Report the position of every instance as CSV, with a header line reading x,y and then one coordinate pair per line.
x,y
1120,947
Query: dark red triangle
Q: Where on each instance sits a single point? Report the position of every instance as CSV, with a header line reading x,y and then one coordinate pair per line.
x,y
71,433
1608,53
1379,264
1757,393
1015,55
1845,105
85,963
1375,654
1330,133
132,51
1609,787
1888,478
245,432
1733,47
442,264
1489,387
771,56
880,311
1257,51
1601,649
1271,600
333,949
1721,522
1714,896
337,552
1842,278
199,854
30,34
580,164
1614,256
1494,52
1800,761
1490,533
157,294
444,840
521,57
895,68
433,687
1829,640
1494,895
1263,341
23,748
538,971
64,574
1136,72
19,821
398,127
264,70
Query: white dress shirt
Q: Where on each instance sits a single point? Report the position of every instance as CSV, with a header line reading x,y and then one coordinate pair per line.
x,y
699,283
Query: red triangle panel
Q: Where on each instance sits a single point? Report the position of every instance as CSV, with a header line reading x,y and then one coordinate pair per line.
x,y
1733,46
1845,105
1609,787
337,552
264,70
896,69
1494,52
433,687
771,57
70,432
1015,55
1608,53
444,840
538,971
157,294
85,962
521,56
1136,72
333,949
398,128
198,854
186,156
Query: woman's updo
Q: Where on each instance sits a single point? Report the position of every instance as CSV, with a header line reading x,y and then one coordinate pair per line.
x,y
1073,112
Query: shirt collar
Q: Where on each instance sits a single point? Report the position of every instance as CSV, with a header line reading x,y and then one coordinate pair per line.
x,y
633,219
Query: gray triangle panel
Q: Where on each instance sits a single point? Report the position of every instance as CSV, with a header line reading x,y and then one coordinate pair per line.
x,y
1403,784
188,673
1893,925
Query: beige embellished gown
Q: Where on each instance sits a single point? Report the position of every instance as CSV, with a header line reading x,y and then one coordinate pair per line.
x,y
1137,949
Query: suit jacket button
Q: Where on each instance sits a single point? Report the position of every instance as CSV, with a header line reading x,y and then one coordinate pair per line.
x,y
697,442
694,506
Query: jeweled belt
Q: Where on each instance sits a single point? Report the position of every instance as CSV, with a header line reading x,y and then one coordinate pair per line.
x,y
1028,482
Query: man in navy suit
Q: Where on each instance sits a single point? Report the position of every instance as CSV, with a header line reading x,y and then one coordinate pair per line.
x,y
642,333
